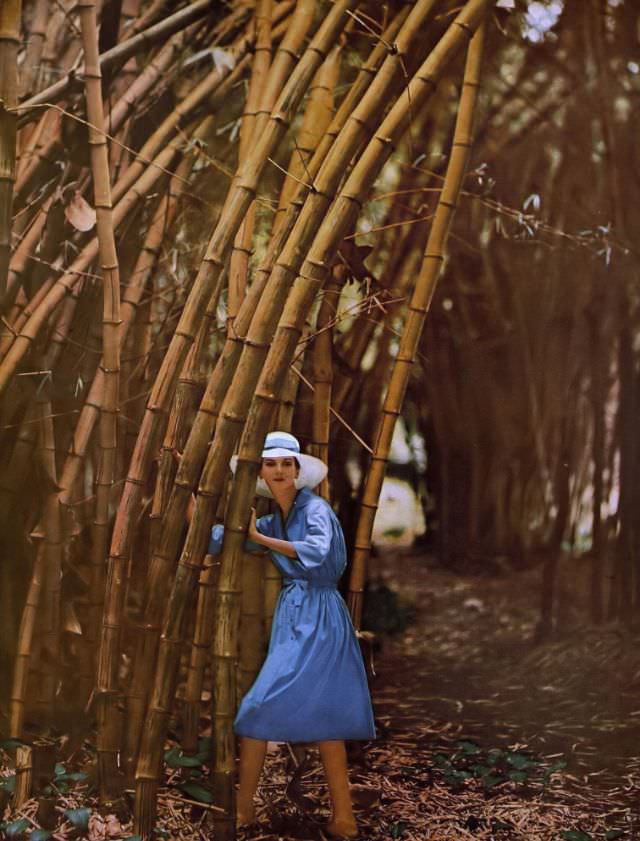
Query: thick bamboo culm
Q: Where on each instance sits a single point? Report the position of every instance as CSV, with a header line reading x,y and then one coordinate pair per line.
x,y
323,370
108,261
47,562
252,640
418,308
200,652
242,193
10,12
239,263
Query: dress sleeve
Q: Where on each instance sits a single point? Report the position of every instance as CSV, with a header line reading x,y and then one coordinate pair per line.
x,y
314,548
264,525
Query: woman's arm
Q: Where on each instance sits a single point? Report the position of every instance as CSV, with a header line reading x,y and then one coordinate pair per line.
x,y
284,547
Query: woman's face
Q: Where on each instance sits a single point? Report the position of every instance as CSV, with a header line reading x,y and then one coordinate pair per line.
x,y
279,473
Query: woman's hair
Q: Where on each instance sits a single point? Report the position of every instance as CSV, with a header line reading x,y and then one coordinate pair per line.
x,y
264,458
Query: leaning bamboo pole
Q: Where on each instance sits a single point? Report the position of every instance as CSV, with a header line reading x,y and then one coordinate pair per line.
x,y
10,11
323,369
239,263
418,309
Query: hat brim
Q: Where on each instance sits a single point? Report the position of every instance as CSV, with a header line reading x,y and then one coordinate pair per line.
x,y
312,470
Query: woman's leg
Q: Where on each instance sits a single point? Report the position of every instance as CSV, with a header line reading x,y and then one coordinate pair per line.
x,y
252,754
334,761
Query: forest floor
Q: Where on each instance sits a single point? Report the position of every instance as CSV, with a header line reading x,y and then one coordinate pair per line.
x,y
483,734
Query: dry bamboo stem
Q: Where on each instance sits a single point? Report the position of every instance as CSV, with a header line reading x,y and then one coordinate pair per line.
x,y
145,264
239,264
242,193
251,650
110,365
47,563
316,120
10,12
418,308
18,263
200,652
323,370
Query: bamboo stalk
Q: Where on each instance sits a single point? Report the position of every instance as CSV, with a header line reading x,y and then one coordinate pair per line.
x,y
64,285
200,652
47,564
110,365
252,639
10,12
239,263
315,122
323,370
418,308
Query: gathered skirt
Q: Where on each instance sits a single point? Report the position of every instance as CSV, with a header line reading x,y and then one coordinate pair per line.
x,y
313,685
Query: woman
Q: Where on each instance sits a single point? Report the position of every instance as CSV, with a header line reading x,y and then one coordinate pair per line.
x,y
312,686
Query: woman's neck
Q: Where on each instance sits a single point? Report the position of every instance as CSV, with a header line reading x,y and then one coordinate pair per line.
x,y
285,500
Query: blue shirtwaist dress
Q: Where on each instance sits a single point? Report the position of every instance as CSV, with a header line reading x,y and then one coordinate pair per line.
x,y
312,686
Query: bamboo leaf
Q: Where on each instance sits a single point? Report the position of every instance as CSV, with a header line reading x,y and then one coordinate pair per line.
x,y
196,792
78,818
40,835
174,758
576,835
16,828
79,213
8,783
10,744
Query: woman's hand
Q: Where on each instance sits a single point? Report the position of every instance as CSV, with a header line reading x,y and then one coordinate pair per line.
x,y
252,531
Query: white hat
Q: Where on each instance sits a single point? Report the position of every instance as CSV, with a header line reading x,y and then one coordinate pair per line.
x,y
284,445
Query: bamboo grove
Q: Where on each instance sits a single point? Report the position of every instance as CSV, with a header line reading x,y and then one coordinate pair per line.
x,y
219,219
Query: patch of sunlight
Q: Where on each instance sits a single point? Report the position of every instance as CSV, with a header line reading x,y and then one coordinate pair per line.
x,y
540,18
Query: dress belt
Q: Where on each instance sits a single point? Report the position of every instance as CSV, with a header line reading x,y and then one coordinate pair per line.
x,y
297,587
